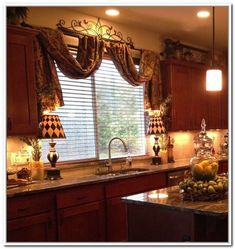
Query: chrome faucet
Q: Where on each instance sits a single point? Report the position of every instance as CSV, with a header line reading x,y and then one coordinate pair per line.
x,y
109,163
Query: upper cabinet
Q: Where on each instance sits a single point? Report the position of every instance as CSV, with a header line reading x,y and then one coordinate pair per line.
x,y
22,118
185,82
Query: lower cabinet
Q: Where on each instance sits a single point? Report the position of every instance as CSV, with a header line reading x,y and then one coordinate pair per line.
x,y
84,223
81,214
116,215
174,177
89,213
35,228
223,167
31,218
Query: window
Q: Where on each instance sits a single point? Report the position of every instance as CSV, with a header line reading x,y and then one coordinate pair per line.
x,y
97,109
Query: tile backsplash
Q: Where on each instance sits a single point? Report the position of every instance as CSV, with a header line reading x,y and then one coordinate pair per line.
x,y
183,145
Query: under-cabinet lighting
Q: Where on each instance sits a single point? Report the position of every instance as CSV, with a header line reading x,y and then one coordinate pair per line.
x,y
203,14
112,12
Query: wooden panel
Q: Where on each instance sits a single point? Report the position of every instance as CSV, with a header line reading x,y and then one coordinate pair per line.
x,y
154,224
84,223
117,220
224,100
79,195
135,185
181,97
28,205
190,100
37,228
199,104
22,116
223,167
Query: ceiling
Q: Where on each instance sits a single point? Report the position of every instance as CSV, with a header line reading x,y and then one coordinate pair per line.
x,y
178,22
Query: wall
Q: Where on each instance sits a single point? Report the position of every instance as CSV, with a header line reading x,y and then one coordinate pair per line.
x,y
49,16
183,145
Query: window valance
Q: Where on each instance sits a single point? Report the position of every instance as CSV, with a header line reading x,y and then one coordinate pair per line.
x,y
51,47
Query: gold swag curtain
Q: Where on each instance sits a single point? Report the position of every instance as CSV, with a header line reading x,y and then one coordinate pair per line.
x,y
51,47
149,71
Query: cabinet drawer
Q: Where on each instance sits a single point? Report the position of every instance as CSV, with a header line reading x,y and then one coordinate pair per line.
x,y
28,205
135,185
79,195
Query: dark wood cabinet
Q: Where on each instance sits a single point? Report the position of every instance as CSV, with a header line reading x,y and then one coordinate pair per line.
x,y
223,166
34,228
185,82
22,118
81,214
83,223
174,177
31,219
117,229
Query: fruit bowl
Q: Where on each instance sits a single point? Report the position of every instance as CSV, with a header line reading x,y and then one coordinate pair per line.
x,y
204,190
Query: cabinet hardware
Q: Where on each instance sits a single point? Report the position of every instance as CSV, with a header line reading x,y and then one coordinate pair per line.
x,y
23,209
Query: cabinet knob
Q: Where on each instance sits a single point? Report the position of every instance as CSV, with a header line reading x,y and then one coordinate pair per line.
x,y
9,124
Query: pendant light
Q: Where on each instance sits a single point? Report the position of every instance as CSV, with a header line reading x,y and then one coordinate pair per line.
x,y
213,75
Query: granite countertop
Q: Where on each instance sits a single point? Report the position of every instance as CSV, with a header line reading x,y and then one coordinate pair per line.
x,y
73,177
171,198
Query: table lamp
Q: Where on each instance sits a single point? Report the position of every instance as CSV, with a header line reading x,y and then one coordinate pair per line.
x,y
156,127
51,127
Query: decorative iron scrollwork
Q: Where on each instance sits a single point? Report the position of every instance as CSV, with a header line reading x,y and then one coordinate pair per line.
x,y
92,28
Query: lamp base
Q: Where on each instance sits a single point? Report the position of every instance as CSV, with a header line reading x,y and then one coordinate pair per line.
x,y
52,174
156,160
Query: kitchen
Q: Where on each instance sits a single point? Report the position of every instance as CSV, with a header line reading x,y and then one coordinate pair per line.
x,y
114,139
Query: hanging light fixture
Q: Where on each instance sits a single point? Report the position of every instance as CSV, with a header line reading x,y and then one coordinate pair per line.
x,y
213,75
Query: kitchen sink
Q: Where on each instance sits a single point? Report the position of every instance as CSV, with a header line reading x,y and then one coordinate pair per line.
x,y
122,172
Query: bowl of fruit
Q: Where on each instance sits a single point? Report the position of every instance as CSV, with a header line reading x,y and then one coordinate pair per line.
x,y
204,170
203,190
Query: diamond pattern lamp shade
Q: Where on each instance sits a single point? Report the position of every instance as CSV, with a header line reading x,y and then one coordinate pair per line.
x,y
156,127
51,127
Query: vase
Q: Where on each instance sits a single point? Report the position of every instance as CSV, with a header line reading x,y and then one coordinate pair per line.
x,y
37,170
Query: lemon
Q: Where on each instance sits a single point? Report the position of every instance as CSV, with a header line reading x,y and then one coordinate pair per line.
x,y
204,163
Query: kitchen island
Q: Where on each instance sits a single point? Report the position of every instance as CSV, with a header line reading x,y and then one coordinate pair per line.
x,y
163,216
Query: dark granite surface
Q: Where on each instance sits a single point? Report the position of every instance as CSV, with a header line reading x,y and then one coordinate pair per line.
x,y
73,178
172,198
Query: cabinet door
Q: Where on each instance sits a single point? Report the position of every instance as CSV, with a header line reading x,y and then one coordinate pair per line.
x,y
21,95
117,229
199,104
84,223
224,101
117,220
35,228
223,167
190,101
181,91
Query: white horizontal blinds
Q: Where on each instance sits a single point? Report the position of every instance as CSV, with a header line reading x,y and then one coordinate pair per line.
x,y
120,112
118,107
77,117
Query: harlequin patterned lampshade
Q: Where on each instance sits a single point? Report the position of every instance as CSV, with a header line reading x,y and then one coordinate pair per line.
x,y
51,127
156,125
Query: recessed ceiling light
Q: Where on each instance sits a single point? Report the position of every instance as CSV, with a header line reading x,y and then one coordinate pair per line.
x,y
112,12
203,14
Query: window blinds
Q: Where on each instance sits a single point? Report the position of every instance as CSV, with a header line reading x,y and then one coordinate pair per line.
x,y
97,109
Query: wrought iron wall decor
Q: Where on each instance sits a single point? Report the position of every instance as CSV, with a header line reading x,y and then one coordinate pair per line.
x,y
79,28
